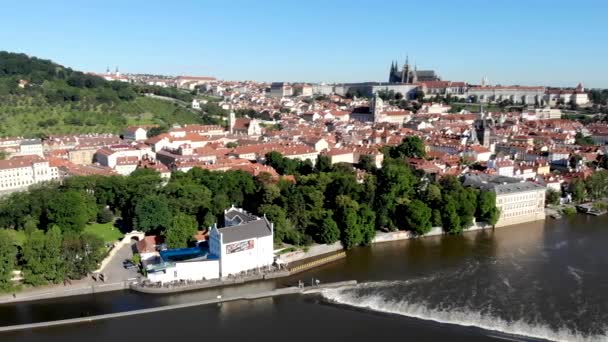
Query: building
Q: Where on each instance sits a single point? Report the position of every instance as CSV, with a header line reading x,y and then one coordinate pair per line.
x,y
29,147
322,89
243,126
576,96
443,88
516,94
136,133
244,243
481,133
409,75
302,89
517,200
21,172
280,89
191,82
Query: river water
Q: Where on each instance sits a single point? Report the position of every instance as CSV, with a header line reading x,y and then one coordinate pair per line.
x,y
537,281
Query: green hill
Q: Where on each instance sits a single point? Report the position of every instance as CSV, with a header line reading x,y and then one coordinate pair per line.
x,y
58,100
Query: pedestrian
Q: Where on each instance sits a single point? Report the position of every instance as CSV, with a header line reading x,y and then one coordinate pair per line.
x,y
14,296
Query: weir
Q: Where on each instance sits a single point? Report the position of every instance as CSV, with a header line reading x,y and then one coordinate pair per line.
x,y
253,296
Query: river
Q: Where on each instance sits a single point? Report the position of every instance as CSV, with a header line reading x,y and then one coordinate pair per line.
x,y
536,281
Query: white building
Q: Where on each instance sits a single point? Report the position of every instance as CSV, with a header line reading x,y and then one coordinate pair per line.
x,y
110,156
135,133
31,147
21,172
518,201
245,243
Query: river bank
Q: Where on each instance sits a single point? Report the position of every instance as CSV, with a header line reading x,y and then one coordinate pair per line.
x,y
295,258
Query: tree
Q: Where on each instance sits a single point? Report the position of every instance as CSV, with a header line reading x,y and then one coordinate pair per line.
x,y
581,139
8,258
552,197
82,254
411,147
185,196
348,220
323,163
105,215
417,217
154,131
53,260
577,189
395,186
367,163
367,224
486,207
597,185
32,256
181,232
449,216
152,213
329,231
284,230
71,210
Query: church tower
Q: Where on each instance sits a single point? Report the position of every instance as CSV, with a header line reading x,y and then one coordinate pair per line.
x,y
231,121
376,108
405,72
482,131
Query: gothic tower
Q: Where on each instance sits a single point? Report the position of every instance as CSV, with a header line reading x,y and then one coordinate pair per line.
x,y
482,131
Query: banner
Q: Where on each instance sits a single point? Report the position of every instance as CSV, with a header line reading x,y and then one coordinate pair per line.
x,y
239,246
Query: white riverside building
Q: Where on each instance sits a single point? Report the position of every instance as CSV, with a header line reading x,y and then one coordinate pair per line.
x,y
244,243
20,172
518,201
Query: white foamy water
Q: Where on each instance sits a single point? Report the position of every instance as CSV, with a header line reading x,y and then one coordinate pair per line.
x,y
468,318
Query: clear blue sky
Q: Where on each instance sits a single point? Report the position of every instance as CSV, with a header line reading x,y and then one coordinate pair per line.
x,y
532,42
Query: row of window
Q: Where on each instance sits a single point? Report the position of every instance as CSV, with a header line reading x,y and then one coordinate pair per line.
x,y
519,198
519,213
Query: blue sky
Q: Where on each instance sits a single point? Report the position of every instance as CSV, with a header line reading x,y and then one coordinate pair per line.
x,y
531,42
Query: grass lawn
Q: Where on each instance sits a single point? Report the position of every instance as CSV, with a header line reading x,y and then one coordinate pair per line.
x,y
106,231
18,236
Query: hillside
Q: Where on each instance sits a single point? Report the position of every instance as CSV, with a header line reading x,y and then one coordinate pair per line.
x,y
39,97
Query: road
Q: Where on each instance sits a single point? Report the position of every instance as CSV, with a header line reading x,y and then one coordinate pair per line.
x,y
114,271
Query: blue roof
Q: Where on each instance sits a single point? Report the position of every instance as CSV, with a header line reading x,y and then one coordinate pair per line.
x,y
184,254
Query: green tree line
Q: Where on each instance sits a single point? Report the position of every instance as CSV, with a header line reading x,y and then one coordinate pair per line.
x,y
327,203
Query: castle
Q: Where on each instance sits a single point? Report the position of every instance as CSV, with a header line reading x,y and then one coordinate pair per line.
x,y
409,75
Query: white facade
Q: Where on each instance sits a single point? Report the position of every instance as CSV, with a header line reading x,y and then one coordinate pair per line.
x,y
108,157
135,134
246,243
31,147
19,173
521,206
187,270
243,255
